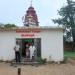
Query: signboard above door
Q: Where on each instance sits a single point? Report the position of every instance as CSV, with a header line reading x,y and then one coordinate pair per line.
x,y
36,30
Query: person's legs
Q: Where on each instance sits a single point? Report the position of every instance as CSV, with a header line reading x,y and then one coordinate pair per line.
x,y
31,54
16,56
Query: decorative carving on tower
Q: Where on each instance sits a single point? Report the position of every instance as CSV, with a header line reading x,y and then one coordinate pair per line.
x,y
30,18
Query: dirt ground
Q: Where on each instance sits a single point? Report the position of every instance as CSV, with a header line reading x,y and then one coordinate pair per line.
x,y
48,69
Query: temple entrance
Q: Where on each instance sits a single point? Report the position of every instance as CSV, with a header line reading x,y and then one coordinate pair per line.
x,y
23,42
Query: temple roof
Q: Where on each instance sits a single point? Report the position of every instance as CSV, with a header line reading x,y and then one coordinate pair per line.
x,y
39,27
31,18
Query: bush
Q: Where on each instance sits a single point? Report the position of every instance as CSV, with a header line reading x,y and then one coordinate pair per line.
x,y
65,60
41,61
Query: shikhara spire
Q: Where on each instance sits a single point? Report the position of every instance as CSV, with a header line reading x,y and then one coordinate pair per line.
x,y
30,18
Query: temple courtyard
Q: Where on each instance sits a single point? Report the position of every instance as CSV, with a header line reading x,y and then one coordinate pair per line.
x,y
47,69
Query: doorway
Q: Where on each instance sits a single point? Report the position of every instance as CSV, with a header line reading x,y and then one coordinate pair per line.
x,y
24,41
23,47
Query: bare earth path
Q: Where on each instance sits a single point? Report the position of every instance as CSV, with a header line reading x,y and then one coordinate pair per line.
x,y
49,69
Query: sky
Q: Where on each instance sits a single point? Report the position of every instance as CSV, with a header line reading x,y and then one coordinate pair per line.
x,y
11,11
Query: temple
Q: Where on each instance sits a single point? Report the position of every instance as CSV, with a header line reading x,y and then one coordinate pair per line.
x,y
48,40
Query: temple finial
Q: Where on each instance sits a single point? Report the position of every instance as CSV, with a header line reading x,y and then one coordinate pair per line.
x,y
31,3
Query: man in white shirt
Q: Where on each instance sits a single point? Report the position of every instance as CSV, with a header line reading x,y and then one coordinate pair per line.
x,y
32,49
17,53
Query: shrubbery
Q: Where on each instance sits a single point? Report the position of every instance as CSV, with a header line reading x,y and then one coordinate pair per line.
x,y
41,61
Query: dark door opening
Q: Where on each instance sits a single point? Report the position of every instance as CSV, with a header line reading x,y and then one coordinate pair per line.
x,y
24,41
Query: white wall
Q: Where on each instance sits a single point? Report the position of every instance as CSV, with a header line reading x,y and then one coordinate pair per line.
x,y
51,44
7,42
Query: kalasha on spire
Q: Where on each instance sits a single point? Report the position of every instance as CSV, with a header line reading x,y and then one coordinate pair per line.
x,y
30,19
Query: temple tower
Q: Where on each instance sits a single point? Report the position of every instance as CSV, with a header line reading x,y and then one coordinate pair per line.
x,y
30,18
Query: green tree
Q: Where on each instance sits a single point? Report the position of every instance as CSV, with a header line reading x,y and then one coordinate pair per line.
x,y
9,25
67,20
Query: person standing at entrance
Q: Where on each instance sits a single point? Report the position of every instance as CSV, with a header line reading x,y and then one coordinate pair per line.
x,y
27,51
32,49
17,53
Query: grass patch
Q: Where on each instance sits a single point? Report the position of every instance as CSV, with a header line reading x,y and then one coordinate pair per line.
x,y
69,55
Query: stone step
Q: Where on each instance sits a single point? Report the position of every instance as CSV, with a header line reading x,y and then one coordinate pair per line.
x,y
26,60
25,63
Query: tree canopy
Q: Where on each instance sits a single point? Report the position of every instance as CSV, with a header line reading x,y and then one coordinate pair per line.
x,y
7,25
67,17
